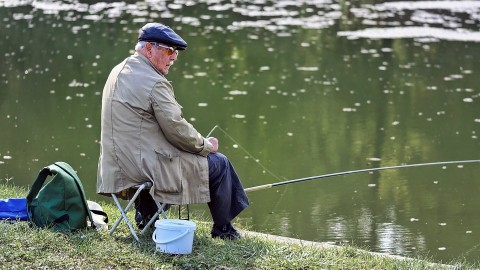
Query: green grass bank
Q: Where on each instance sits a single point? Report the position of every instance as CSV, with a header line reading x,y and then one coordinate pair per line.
x,y
23,247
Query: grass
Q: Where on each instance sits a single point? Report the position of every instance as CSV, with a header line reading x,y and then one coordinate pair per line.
x,y
25,247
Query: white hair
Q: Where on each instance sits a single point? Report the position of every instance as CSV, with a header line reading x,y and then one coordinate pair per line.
x,y
139,45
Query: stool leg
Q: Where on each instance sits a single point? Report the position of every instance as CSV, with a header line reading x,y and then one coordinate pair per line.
x,y
123,211
160,210
180,212
119,206
123,216
160,207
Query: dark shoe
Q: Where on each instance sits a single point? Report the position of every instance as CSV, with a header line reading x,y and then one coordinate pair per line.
x,y
225,232
140,220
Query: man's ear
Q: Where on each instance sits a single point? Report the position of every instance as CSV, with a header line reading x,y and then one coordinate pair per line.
x,y
148,50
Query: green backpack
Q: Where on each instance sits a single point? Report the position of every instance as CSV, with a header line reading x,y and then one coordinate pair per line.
x,y
60,204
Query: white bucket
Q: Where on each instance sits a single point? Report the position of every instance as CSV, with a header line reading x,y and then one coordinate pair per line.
x,y
174,236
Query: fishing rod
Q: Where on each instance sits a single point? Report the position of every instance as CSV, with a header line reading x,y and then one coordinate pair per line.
x,y
267,186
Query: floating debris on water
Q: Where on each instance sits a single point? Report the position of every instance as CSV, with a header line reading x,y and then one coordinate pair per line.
x,y
397,20
237,92
239,116
414,219
200,74
372,185
445,5
412,32
74,83
453,77
307,68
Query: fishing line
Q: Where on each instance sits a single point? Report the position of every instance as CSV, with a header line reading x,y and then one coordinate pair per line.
x,y
260,164
245,150
470,250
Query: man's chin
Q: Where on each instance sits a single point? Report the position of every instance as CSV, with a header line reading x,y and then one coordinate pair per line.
x,y
164,71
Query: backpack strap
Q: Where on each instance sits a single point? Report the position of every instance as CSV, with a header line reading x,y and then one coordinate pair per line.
x,y
61,219
68,169
38,184
101,213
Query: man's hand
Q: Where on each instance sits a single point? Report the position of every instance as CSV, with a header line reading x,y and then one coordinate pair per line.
x,y
214,142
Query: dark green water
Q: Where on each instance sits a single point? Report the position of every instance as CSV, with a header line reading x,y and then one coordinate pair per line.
x,y
296,94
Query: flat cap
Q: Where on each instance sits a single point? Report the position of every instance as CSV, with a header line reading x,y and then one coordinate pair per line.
x,y
157,32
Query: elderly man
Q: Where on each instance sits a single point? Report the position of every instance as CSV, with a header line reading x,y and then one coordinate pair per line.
x,y
145,137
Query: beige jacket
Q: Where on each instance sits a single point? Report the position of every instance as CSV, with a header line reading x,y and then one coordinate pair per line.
x,y
145,137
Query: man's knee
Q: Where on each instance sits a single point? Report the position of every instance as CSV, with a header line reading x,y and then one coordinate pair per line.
x,y
218,165
218,160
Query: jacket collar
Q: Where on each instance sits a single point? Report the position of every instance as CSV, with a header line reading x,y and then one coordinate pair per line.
x,y
144,59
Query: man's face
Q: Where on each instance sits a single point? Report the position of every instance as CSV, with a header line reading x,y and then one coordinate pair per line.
x,y
162,56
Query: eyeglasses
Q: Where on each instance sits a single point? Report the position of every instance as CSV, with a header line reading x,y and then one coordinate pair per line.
x,y
171,50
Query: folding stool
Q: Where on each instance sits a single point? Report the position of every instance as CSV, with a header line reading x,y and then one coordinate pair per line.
x,y
123,211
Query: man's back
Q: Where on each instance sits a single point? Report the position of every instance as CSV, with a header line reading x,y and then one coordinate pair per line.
x,y
144,136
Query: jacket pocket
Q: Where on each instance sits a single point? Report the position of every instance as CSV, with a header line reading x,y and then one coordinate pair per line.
x,y
170,172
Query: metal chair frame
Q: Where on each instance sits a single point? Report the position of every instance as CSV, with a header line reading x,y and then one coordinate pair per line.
x,y
123,211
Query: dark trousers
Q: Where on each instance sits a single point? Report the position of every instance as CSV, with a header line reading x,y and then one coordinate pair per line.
x,y
227,196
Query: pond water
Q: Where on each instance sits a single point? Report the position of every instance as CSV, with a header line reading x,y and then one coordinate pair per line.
x,y
298,88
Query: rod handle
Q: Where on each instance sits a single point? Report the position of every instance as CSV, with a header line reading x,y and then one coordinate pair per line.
x,y
258,188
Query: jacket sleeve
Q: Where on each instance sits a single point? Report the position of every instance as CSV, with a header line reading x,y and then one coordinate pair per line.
x,y
178,131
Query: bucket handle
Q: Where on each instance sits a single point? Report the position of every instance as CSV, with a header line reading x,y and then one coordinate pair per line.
x,y
154,237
